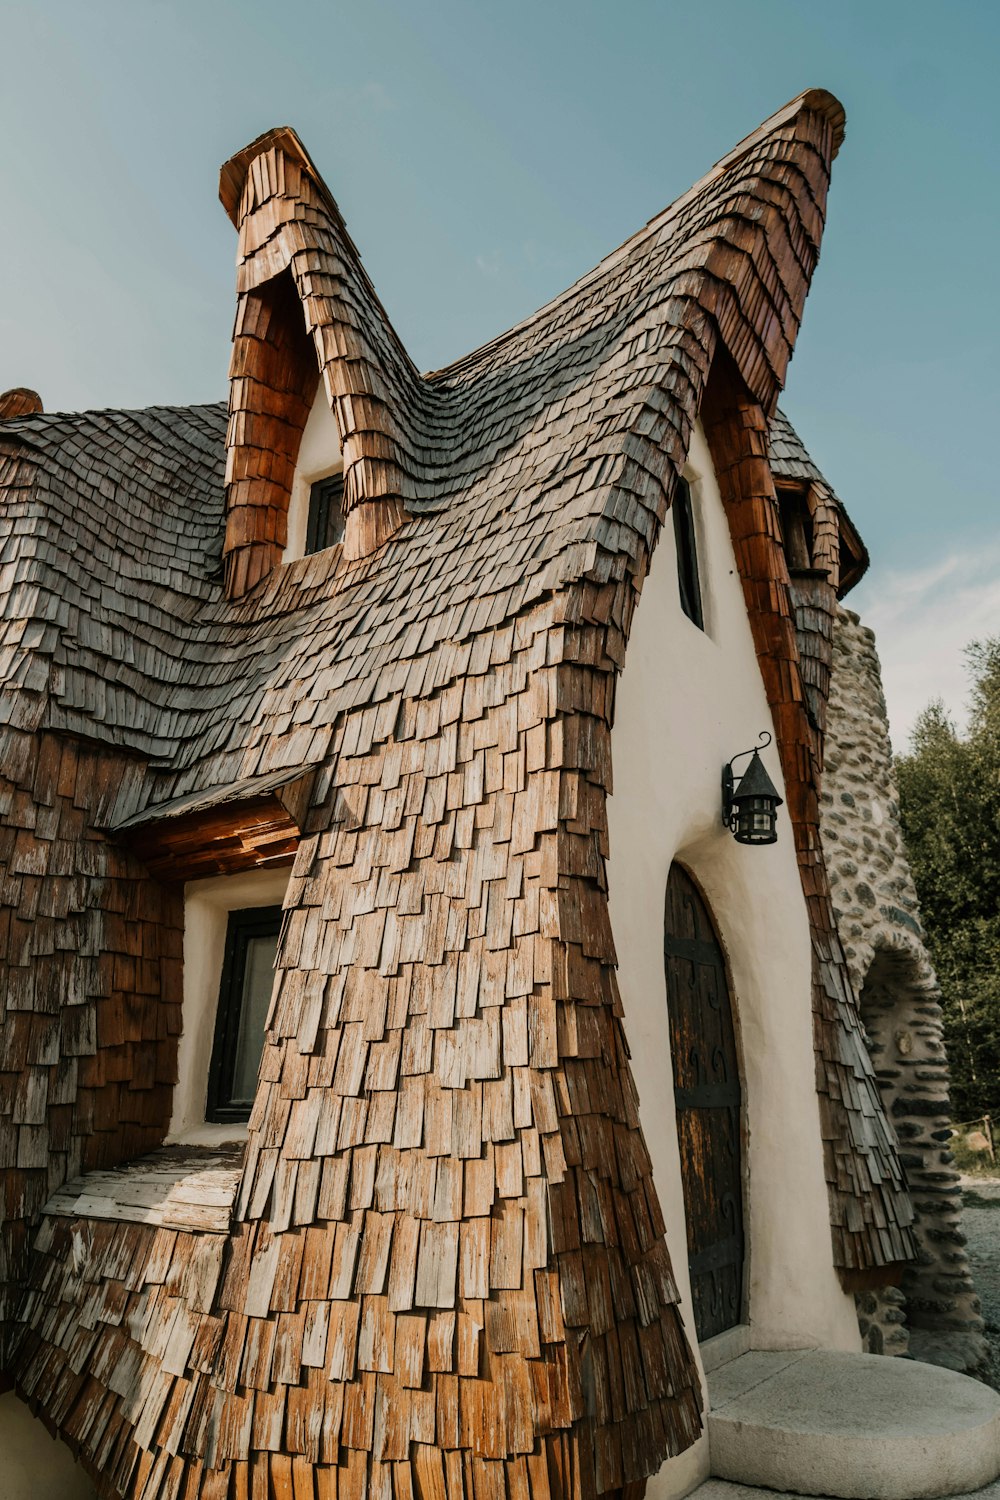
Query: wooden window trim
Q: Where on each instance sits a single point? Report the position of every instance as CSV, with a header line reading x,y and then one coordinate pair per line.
x,y
242,926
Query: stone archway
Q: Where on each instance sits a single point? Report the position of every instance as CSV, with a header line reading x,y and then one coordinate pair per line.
x,y
902,1017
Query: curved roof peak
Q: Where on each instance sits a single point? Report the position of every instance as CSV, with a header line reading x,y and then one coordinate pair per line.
x,y
733,256
233,173
815,101
307,311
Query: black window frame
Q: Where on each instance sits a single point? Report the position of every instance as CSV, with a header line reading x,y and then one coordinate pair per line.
x,y
244,925
325,496
688,575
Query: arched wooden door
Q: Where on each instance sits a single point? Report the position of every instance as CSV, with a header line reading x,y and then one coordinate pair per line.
x,y
707,1097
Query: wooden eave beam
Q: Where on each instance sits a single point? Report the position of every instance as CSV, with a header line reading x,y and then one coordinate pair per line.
x,y
225,841
854,558
256,830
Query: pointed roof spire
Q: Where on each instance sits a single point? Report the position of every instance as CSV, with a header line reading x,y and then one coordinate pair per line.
x,y
289,223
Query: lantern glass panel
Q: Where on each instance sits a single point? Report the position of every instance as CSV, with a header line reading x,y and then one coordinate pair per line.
x,y
755,821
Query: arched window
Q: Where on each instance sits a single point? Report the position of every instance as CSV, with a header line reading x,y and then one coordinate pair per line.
x,y
688,581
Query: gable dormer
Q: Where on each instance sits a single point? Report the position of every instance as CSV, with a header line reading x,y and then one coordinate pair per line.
x,y
308,324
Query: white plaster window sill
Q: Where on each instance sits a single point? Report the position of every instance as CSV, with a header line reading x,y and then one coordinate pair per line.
x,y
209,1135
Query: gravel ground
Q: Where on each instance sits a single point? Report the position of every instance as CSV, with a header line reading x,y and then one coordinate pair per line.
x,y
981,1223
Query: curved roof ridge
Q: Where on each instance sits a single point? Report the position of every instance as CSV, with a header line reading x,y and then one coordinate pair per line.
x,y
818,100
40,421
293,243
232,181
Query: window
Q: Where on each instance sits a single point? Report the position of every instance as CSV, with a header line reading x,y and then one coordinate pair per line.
x,y
687,554
208,905
796,528
318,465
244,998
326,513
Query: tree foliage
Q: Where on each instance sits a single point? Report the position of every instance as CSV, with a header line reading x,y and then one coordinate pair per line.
x,y
949,788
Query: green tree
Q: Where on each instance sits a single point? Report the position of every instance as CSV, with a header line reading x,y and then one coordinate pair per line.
x,y
949,789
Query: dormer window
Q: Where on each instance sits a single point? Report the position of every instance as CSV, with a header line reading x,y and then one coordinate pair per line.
x,y
688,582
326,513
796,528
316,500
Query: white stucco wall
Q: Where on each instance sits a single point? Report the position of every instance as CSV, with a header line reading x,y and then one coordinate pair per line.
x,y
207,904
319,456
688,701
33,1465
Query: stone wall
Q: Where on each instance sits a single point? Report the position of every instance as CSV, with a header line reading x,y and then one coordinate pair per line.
x,y
935,1313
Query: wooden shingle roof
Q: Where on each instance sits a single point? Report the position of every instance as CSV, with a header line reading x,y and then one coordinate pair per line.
x,y
516,460
447,1272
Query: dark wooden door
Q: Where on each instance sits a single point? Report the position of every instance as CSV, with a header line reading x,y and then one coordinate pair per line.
x,y
707,1097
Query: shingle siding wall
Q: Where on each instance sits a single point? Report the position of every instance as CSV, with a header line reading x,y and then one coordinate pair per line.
x,y
90,987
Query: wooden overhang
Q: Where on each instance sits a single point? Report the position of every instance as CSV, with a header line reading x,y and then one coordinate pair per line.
x,y
854,557
250,824
177,1187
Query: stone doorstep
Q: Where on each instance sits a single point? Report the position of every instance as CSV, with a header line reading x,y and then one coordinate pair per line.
x,y
722,1489
850,1426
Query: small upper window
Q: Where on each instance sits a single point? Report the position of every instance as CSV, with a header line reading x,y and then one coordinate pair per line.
x,y
326,513
796,528
244,997
687,554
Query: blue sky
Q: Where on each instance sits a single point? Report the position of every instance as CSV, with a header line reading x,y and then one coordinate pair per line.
x,y
484,156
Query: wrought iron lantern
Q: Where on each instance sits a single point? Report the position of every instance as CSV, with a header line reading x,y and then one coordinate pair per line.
x,y
750,802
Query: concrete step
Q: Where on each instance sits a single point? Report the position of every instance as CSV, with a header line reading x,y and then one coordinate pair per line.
x,y
722,1489
850,1426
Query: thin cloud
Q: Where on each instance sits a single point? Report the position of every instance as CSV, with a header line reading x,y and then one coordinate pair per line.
x,y
923,620
377,95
